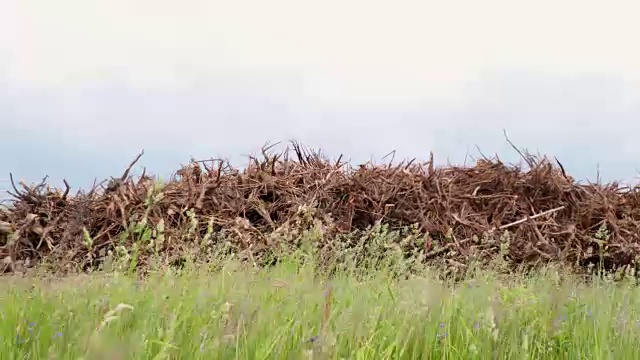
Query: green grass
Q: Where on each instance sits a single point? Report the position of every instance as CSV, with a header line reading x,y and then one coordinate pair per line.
x,y
241,313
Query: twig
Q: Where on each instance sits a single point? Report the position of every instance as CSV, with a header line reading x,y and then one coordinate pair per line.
x,y
45,233
94,187
430,169
116,183
525,219
481,153
526,158
564,173
13,185
406,167
462,242
67,189
125,175
393,157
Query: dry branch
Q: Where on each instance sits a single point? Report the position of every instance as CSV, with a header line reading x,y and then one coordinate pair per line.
x,y
295,189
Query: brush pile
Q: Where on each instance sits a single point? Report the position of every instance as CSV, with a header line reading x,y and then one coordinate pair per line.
x,y
551,218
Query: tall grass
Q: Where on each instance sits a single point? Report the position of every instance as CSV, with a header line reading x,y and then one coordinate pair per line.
x,y
290,312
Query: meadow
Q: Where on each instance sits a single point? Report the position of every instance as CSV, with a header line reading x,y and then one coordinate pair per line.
x,y
293,311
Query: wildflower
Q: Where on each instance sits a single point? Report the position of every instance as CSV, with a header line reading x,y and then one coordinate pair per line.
x,y
30,326
476,326
443,335
57,335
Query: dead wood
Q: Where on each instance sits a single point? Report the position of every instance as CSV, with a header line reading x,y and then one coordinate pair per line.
x,y
551,217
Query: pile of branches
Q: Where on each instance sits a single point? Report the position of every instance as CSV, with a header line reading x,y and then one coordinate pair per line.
x,y
551,218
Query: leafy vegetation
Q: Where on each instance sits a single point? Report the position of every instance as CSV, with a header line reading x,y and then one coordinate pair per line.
x,y
294,310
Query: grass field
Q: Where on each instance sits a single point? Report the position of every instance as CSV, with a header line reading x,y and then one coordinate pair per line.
x,y
353,220
288,312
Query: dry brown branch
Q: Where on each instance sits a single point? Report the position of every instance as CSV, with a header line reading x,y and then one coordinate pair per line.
x,y
198,206
525,158
528,218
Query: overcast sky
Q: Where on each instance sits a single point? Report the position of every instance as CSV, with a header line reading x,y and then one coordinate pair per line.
x,y
86,84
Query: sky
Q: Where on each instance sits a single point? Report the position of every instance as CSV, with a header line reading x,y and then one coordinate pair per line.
x,y
86,84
